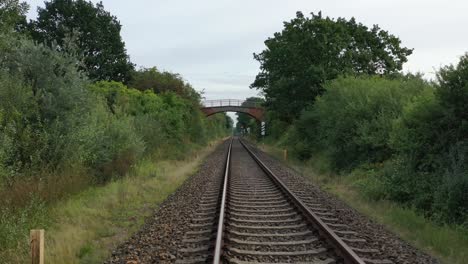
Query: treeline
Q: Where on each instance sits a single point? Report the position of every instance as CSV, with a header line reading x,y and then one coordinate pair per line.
x,y
335,96
75,112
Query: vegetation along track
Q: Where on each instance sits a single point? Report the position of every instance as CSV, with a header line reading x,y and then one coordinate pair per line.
x,y
250,216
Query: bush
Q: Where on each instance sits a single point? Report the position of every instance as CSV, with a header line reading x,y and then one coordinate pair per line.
x,y
159,119
404,137
44,99
59,133
20,145
52,118
413,133
451,198
407,138
352,121
430,137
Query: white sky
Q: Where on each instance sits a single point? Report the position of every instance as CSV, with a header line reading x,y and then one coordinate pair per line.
x,y
210,42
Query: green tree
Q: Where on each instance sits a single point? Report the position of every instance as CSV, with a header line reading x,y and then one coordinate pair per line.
x,y
229,123
309,51
351,123
453,94
430,138
95,31
434,126
50,121
13,15
246,122
161,82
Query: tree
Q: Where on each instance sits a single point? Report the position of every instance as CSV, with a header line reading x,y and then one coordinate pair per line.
x,y
244,121
309,51
453,93
431,138
161,82
97,35
13,15
229,123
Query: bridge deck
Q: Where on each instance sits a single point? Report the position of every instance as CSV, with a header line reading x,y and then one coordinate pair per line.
x,y
230,102
210,107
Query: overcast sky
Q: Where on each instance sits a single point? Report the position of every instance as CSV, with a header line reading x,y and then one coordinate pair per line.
x,y
210,42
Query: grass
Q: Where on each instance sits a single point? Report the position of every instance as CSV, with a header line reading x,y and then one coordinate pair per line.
x,y
85,227
448,243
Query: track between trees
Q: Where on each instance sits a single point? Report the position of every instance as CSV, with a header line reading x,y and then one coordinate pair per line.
x,y
250,216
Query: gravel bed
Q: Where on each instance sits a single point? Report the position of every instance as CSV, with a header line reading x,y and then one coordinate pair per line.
x,y
160,239
389,245
161,236
262,232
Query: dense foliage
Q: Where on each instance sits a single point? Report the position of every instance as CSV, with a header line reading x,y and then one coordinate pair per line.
x,y
352,121
80,27
400,137
13,15
431,140
245,123
161,82
50,119
335,96
309,51
59,131
162,120
44,103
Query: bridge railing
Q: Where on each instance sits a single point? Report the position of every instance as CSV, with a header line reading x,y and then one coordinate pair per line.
x,y
230,102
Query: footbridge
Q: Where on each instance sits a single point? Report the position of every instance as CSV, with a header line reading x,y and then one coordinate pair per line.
x,y
210,107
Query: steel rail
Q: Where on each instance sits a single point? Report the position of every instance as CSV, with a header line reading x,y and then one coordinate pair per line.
x,y
222,210
348,255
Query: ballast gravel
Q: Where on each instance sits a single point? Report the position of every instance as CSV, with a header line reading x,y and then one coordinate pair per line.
x,y
391,247
161,236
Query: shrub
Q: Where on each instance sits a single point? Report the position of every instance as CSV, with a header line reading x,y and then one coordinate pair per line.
x,y
114,148
352,121
50,120
59,133
451,198
44,99
20,145
160,120
413,133
430,137
367,179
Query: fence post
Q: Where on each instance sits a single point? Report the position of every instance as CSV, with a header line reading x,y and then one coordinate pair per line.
x,y
37,246
285,154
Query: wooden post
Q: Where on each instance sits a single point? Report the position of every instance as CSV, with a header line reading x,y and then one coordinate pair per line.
x,y
285,154
37,246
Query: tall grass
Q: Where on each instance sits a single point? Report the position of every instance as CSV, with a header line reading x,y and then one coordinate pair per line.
x,y
83,228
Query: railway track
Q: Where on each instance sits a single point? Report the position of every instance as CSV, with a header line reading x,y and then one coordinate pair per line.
x,y
250,216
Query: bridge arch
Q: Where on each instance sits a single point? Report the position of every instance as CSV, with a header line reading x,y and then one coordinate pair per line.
x,y
211,107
